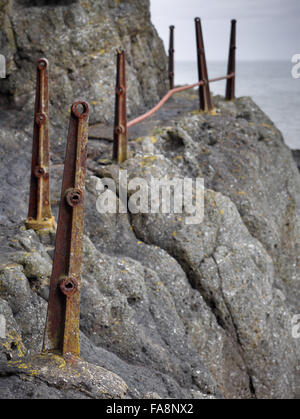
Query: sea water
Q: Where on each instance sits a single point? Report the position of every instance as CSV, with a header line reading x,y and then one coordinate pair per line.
x,y
269,83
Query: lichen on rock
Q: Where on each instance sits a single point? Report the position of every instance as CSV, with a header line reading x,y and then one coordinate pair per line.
x,y
168,310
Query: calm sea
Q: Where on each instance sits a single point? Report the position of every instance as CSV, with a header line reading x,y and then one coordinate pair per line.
x,y
270,84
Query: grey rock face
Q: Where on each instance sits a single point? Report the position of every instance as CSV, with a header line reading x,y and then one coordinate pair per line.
x,y
236,279
80,39
176,309
168,310
241,154
123,323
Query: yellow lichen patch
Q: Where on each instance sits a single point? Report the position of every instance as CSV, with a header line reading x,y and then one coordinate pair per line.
x,y
268,126
222,212
33,373
16,340
25,367
61,363
147,160
153,140
139,140
174,233
94,102
22,366
139,242
241,193
229,136
102,51
10,266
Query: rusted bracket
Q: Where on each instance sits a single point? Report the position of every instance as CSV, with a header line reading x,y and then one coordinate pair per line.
x,y
230,85
204,91
40,217
62,326
171,57
120,126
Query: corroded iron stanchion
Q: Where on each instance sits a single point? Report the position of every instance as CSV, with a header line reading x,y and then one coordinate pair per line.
x,y
204,91
230,86
62,327
120,125
171,58
39,212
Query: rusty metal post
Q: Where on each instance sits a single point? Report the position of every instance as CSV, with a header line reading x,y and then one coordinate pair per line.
x,y
62,326
230,85
171,58
204,91
40,217
120,125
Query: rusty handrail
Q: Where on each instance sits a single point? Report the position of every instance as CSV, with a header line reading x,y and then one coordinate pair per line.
x,y
169,94
205,103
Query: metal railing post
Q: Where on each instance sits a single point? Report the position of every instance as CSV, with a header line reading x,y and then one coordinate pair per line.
x,y
230,85
204,90
120,151
62,326
171,58
40,217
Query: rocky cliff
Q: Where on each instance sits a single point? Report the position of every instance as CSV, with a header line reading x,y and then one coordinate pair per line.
x,y
80,39
167,309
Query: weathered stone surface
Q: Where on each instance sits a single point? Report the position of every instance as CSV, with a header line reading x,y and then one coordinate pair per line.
x,y
168,310
241,154
167,307
89,381
80,39
236,278
127,314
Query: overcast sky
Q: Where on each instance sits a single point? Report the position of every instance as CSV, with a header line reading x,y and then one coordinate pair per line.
x,y
267,29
